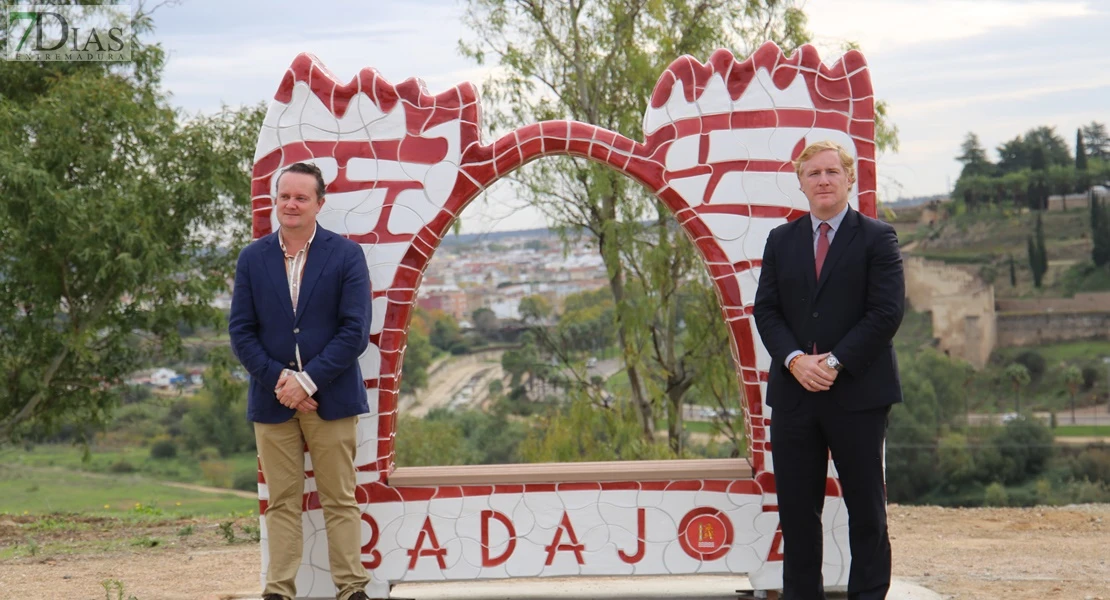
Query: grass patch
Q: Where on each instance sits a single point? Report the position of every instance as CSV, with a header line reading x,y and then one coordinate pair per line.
x,y
128,459
1085,277
45,491
1082,430
1077,352
699,426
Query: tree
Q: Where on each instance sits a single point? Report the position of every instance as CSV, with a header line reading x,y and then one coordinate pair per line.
x,y
974,157
598,62
445,334
1095,140
1054,147
1073,378
1019,377
535,309
419,353
588,323
1080,151
128,220
1024,446
1013,273
485,321
911,465
1013,156
1100,231
1082,177
427,442
1038,255
580,430
1061,180
1021,152
217,415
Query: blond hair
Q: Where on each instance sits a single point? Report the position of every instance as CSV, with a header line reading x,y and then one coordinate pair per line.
x,y
813,149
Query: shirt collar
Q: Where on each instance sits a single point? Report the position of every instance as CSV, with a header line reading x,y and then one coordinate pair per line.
x,y
281,238
834,221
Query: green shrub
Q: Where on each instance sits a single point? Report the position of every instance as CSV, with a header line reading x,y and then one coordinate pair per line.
x,y
1090,377
996,495
164,449
217,473
1090,492
246,481
1033,362
122,466
1024,446
1089,464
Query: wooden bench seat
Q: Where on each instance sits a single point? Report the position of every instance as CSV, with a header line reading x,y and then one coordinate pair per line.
x,y
640,470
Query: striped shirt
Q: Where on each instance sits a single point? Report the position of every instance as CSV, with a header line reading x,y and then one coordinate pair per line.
x,y
294,271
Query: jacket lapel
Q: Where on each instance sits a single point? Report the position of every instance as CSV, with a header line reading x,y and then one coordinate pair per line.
x,y
840,242
274,260
804,232
318,255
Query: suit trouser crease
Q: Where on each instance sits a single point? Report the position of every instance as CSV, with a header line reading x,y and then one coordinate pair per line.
x,y
332,446
801,440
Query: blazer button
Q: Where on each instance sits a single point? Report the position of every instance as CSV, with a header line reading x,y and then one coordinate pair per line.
x,y
814,315
297,330
292,364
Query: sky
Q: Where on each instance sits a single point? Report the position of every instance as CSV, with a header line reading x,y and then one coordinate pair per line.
x,y
945,67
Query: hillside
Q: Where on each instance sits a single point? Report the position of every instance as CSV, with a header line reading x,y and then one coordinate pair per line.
x,y
983,243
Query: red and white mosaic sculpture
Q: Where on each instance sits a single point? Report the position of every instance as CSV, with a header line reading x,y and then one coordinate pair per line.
x,y
400,166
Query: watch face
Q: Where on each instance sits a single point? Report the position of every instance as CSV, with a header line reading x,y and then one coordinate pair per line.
x,y
831,362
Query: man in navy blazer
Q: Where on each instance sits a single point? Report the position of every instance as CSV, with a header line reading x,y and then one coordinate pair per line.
x,y
831,296
300,318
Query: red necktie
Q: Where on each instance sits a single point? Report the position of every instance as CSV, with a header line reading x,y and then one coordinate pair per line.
x,y
822,246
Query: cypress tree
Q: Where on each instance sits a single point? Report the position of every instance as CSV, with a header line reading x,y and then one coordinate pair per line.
x,y
1100,231
1080,151
1038,256
1081,177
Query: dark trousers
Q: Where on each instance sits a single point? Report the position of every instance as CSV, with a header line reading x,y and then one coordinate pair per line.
x,y
801,440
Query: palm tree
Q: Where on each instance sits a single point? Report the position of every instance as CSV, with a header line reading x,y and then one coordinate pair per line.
x,y
1073,377
1019,376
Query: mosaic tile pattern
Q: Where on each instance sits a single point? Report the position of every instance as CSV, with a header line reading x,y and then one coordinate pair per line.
x,y
401,164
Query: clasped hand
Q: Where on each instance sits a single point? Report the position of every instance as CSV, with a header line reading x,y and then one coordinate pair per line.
x,y
811,371
290,394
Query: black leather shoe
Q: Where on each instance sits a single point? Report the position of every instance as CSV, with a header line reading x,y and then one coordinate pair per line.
x,y
274,597
358,596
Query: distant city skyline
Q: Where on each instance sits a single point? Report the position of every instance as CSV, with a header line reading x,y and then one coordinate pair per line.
x,y
945,67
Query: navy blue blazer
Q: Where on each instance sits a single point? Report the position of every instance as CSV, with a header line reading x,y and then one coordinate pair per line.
x,y
332,324
853,311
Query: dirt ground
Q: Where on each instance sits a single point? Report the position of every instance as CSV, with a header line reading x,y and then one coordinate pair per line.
x,y
982,554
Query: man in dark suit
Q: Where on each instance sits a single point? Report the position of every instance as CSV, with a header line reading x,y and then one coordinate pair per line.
x,y
300,318
831,297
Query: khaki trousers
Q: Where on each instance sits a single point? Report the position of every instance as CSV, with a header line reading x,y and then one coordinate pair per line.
x,y
332,445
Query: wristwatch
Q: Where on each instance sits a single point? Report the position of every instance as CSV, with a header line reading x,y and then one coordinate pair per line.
x,y
832,363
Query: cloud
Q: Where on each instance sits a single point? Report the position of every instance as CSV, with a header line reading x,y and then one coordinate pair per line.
x,y
881,25
994,97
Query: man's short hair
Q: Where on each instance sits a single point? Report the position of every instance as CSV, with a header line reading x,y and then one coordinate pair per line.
x,y
813,149
306,169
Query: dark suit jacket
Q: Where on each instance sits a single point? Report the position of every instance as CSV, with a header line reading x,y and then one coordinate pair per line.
x,y
332,324
853,311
